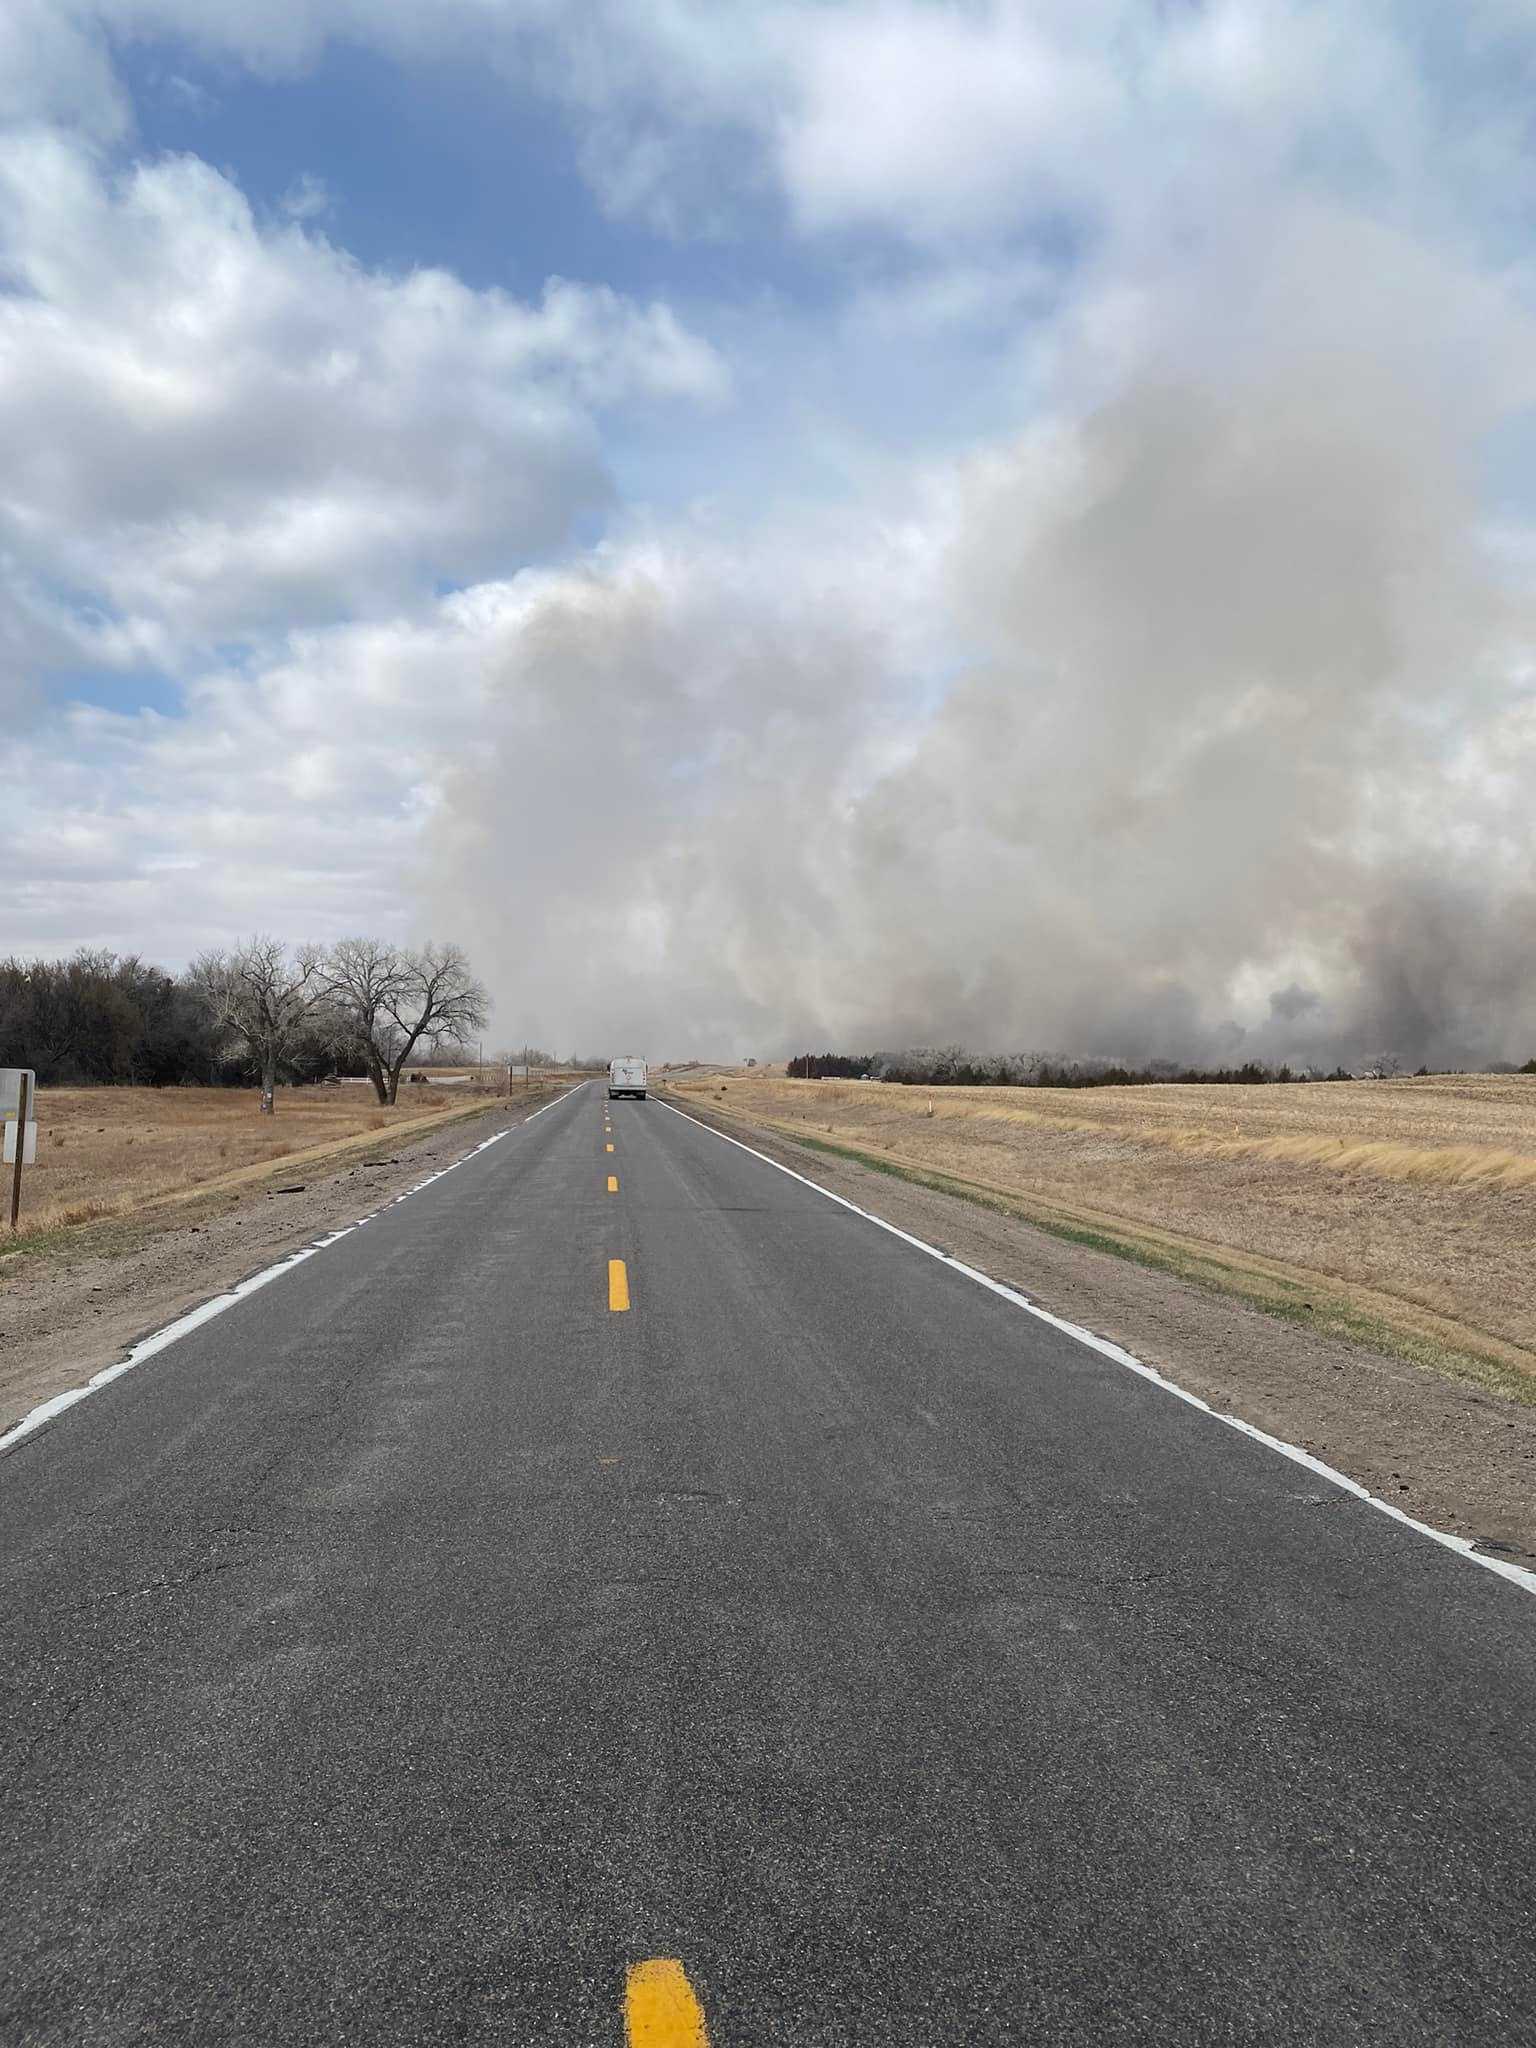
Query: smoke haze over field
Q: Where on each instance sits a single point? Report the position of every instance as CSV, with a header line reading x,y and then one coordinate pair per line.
x,y
1239,760
875,521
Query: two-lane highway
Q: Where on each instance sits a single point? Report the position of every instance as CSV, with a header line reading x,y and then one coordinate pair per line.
x,y
622,1582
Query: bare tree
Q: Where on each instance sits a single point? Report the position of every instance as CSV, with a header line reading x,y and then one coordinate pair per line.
x,y
368,985
263,1000
389,1000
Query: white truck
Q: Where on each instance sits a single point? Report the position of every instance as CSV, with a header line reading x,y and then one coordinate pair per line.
x,y
626,1077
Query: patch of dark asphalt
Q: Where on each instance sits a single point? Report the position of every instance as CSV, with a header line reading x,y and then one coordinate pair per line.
x,y
64,1316
1454,1456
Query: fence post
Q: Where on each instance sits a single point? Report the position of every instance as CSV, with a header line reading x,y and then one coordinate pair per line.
x,y
23,1106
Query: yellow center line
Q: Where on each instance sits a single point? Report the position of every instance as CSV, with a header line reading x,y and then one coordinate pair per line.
x,y
613,1183
618,1285
660,2010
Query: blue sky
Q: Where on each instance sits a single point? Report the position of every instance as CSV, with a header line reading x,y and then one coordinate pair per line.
x,y
434,163
906,426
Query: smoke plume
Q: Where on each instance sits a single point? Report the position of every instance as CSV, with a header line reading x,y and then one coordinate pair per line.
x,y
1194,720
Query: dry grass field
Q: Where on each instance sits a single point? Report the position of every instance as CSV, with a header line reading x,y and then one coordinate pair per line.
x,y
1413,1200
112,1151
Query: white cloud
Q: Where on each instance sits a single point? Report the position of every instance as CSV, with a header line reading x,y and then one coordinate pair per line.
x,y
55,66
281,794
927,118
307,198
937,123
549,731
215,427
1182,683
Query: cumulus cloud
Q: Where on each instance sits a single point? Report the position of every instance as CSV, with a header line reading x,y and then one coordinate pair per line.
x,y
1185,707
55,65
287,791
216,426
941,124
931,120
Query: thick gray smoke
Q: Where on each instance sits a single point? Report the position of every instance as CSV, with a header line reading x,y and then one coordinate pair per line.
x,y
1195,722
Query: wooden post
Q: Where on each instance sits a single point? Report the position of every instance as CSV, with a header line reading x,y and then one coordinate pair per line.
x,y
21,1146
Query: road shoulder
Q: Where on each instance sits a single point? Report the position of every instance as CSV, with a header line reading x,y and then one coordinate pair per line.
x,y
1458,1457
67,1312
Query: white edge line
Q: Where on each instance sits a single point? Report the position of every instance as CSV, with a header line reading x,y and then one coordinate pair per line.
x,y
159,1340
1518,1575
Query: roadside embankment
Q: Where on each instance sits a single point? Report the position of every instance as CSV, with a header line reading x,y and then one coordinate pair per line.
x,y
1431,1410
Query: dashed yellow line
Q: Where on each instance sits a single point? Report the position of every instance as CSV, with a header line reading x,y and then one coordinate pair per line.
x,y
660,2010
613,1183
618,1285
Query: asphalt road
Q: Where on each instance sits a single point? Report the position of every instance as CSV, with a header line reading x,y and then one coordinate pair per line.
x,y
412,1650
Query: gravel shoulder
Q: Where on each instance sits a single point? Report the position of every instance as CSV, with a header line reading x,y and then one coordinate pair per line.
x,y
81,1304
1456,1456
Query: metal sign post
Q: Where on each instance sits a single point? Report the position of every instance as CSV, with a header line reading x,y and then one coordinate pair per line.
x,y
18,1096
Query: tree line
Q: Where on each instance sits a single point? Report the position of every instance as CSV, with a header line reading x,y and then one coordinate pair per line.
x,y
953,1067
259,1010
831,1066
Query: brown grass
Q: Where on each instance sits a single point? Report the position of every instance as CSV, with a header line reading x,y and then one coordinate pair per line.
x,y
115,1151
1413,1198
